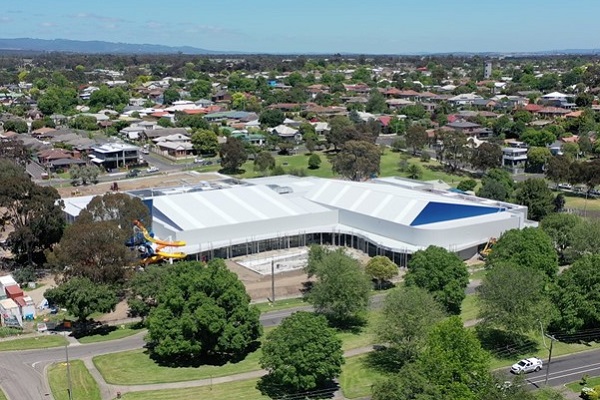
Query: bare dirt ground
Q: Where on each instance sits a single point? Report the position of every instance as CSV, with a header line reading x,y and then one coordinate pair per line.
x,y
164,180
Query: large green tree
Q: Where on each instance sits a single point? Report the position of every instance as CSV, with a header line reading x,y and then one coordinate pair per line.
x,y
441,273
341,290
513,299
527,248
33,211
497,184
452,366
561,228
203,316
407,317
233,154
381,269
302,354
144,287
586,239
537,196
358,160
577,297
486,156
57,100
82,297
416,137
205,142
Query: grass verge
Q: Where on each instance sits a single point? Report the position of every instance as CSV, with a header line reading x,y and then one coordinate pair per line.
x,y
40,342
478,274
118,333
469,308
2,395
137,368
281,304
577,386
226,391
83,384
356,378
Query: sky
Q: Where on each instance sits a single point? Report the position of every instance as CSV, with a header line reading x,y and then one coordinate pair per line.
x,y
311,26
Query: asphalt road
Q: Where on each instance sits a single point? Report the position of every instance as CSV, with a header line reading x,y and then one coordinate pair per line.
x,y
567,369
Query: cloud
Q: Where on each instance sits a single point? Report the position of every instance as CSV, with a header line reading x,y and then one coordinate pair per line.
x,y
83,15
48,24
209,30
6,19
154,25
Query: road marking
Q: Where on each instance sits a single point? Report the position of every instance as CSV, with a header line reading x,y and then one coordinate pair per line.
x,y
564,375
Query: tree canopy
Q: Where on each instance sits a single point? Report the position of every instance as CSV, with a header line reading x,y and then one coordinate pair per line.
x,y
513,299
35,213
577,297
381,269
233,154
537,196
341,291
441,273
203,315
527,248
205,142
358,160
302,354
408,315
82,297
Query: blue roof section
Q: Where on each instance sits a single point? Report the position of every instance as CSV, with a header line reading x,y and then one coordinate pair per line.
x,y
441,212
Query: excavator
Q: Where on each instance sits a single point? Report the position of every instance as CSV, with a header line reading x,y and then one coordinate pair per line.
x,y
154,249
487,250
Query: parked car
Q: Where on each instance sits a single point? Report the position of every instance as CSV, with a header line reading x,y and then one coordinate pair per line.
x,y
526,365
152,169
198,161
133,173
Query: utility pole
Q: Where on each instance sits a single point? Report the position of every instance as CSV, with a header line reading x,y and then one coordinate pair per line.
x,y
552,339
272,282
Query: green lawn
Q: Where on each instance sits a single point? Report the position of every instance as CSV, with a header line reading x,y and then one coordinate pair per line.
x,y
118,333
83,384
225,391
356,378
136,368
576,386
2,395
389,166
41,342
581,203
478,274
469,308
281,304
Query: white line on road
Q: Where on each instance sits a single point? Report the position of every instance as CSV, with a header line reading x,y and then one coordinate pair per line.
x,y
565,375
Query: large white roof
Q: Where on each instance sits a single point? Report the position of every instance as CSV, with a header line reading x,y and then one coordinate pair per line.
x,y
227,207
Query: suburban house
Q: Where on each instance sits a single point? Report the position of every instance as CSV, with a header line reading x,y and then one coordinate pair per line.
x,y
464,99
176,145
463,126
514,155
286,132
115,155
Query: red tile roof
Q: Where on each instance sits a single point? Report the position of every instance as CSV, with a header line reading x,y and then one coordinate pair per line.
x,y
533,107
385,120
13,291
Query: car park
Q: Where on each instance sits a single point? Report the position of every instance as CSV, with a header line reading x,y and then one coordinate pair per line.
x,y
526,365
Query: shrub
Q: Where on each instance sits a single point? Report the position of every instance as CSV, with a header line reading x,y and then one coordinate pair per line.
x,y
467,185
425,157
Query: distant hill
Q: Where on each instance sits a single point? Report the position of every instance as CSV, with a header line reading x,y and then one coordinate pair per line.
x,y
98,47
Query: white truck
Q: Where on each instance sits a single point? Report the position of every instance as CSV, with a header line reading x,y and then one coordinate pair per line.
x,y
526,365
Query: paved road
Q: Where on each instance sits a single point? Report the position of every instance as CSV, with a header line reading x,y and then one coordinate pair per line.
x,y
567,369
22,372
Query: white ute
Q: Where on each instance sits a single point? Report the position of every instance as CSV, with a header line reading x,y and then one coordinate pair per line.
x,y
526,365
